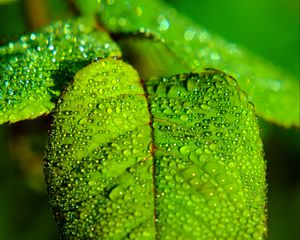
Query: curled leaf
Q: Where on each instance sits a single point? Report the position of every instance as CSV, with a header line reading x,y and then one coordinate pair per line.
x,y
272,90
170,158
35,68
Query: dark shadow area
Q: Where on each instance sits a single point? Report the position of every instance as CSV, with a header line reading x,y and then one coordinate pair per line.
x,y
65,74
24,207
282,150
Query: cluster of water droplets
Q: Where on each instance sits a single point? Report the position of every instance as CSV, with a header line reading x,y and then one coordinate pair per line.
x,y
35,68
209,168
191,169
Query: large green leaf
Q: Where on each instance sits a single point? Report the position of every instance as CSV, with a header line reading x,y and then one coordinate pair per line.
x,y
170,158
35,68
269,88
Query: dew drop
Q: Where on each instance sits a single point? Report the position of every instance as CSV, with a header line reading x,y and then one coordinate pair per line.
x,y
116,193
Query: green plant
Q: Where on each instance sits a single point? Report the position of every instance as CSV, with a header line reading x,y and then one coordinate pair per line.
x,y
204,114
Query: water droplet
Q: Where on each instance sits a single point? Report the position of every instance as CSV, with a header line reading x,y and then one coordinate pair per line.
x,y
83,120
184,117
185,150
189,34
116,193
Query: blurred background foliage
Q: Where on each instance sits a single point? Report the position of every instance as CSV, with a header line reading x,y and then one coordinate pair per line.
x,y
269,28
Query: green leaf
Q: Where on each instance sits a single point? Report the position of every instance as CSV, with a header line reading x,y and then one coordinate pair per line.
x,y
272,90
87,8
170,158
35,68
7,1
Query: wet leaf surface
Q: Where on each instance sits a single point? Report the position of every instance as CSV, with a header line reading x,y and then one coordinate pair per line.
x,y
171,158
35,68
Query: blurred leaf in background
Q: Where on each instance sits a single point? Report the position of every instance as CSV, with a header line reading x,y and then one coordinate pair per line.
x,y
270,28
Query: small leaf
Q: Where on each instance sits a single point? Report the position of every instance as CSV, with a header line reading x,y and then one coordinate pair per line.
x,y
171,158
35,69
269,88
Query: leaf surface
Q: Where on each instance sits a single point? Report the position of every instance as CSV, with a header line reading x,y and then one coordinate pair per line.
x,y
272,90
170,158
35,68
